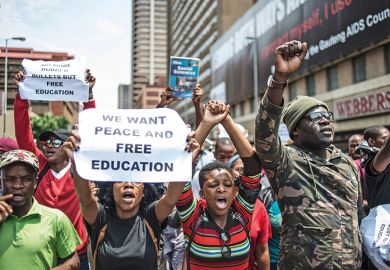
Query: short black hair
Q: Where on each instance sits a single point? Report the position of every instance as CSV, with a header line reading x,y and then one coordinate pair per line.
x,y
215,165
223,141
373,132
152,192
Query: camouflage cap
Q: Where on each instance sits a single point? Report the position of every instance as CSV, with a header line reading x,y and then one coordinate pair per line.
x,y
297,108
13,156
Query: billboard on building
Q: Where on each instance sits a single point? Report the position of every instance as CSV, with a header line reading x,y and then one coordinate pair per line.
x,y
332,29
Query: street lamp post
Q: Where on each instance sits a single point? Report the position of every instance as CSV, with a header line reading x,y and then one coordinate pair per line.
x,y
6,82
255,73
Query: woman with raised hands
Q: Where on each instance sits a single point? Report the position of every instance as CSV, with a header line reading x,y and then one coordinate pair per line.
x,y
125,233
217,226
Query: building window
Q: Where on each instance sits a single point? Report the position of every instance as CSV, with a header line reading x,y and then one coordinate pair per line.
x,y
387,56
292,90
242,111
310,85
331,75
359,68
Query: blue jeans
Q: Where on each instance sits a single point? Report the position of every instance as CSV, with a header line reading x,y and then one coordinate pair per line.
x,y
84,264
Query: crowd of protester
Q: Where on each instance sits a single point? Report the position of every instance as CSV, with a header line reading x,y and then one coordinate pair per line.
x,y
257,204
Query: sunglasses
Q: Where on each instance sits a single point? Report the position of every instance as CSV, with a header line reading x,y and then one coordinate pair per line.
x,y
121,184
225,250
53,143
317,116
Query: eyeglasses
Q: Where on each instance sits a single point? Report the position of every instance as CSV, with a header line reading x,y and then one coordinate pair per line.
x,y
225,250
121,184
53,143
317,116
23,179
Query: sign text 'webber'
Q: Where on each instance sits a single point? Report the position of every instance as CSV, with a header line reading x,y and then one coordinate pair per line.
x,y
372,103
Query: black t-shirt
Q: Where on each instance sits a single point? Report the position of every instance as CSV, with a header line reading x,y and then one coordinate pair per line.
x,y
127,243
378,188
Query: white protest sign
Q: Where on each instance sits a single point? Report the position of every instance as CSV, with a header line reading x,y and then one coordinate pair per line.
x,y
283,133
54,81
144,145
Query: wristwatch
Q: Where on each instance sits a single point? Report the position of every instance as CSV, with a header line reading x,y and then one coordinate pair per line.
x,y
275,84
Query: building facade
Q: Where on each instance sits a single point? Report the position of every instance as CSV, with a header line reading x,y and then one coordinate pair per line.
x,y
124,96
347,65
193,27
149,44
55,108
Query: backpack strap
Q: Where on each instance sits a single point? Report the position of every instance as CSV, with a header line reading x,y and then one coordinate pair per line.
x,y
102,233
155,241
196,227
41,174
238,216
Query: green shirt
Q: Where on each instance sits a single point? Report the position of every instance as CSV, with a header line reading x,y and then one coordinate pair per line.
x,y
320,200
36,240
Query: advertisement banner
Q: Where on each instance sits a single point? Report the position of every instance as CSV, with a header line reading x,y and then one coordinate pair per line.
x,y
332,29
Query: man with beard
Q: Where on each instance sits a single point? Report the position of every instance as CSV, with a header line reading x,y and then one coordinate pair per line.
x,y
55,187
316,184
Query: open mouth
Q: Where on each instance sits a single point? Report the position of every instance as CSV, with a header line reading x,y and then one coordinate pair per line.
x,y
50,152
326,131
221,203
18,197
128,196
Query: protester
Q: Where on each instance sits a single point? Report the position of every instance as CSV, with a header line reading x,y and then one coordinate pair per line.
x,y
217,226
125,234
353,142
275,218
173,243
260,230
268,198
316,184
33,236
224,149
377,173
376,168
7,144
55,185
260,233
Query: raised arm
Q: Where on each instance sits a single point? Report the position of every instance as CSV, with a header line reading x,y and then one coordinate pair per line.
x,y
89,205
166,204
166,98
91,80
23,131
288,59
381,160
244,148
196,98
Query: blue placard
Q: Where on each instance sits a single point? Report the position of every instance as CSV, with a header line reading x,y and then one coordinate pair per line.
x,y
183,76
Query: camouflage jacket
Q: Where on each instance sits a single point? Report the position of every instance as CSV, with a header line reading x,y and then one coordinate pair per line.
x,y
320,200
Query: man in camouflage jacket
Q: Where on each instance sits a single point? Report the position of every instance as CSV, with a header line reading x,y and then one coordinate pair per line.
x,y
317,185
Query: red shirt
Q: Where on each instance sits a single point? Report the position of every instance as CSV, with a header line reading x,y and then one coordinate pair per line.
x,y
260,230
51,192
